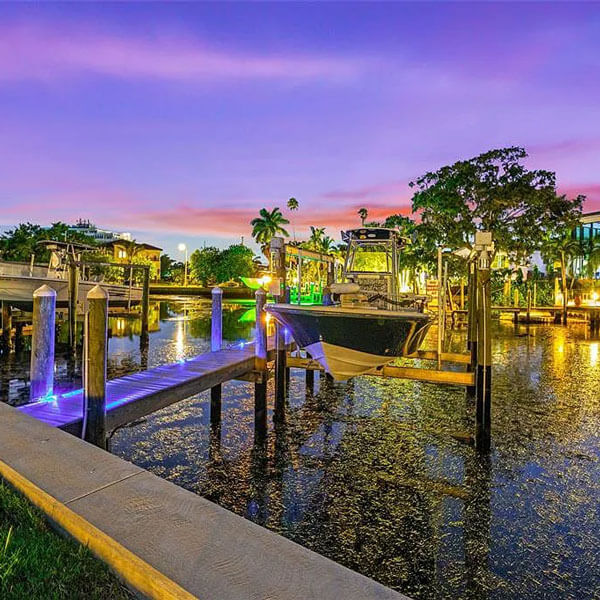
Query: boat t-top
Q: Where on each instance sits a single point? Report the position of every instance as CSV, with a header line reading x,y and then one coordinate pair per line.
x,y
367,320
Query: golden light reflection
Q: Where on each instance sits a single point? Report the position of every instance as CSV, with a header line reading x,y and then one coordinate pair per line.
x,y
179,340
593,354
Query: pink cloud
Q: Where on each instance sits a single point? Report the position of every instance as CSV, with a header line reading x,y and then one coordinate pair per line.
x,y
42,52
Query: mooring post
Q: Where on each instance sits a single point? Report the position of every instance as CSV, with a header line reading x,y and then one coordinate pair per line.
x,y
216,341
440,293
472,323
42,343
281,370
73,296
310,379
483,377
145,301
528,305
96,350
260,365
6,326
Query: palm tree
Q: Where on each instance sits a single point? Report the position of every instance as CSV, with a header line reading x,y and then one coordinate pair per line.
x,y
268,225
563,249
293,205
363,213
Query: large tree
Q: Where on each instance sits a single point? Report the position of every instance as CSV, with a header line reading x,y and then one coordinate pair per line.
x,y
234,262
204,264
492,192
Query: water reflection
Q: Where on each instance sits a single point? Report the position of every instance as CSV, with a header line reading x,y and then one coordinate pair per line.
x,y
371,474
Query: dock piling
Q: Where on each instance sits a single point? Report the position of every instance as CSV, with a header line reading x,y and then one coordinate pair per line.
x,y
6,326
260,365
96,350
216,341
73,295
483,376
42,343
145,301
472,323
281,370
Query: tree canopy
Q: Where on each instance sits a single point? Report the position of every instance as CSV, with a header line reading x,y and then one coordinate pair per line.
x,y
495,192
19,243
210,265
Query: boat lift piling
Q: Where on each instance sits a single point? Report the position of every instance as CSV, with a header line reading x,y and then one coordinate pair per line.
x,y
73,273
260,366
281,371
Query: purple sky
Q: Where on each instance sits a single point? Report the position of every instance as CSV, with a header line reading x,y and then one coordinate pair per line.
x,y
179,121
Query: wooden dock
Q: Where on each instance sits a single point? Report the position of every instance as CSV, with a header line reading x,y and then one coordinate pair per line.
x,y
133,396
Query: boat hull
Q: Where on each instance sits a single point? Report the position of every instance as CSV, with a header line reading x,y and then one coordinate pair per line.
x,y
18,291
349,342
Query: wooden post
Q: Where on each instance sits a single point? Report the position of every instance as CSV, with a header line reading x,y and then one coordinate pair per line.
x,y
516,298
260,365
216,342
472,323
42,343
483,377
281,370
309,379
96,350
73,296
6,326
462,293
299,274
534,294
440,333
528,305
145,301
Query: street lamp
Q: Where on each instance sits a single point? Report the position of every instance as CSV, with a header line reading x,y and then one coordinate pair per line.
x,y
183,248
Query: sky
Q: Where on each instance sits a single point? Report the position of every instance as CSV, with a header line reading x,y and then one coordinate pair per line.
x,y
179,121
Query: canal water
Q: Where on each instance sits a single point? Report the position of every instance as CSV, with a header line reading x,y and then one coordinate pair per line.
x,y
376,475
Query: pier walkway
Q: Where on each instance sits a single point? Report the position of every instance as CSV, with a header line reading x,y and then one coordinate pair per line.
x,y
133,396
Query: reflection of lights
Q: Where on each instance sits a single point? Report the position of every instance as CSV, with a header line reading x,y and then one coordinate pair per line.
x,y
593,354
265,279
180,340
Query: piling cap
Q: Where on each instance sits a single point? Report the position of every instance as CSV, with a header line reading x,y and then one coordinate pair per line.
x,y
44,290
217,290
97,293
260,292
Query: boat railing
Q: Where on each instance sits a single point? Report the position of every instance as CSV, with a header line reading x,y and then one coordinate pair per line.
x,y
22,269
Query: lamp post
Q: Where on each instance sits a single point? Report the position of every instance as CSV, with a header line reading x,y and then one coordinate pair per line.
x,y
183,248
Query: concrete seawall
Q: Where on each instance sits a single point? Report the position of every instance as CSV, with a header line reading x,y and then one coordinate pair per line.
x,y
162,540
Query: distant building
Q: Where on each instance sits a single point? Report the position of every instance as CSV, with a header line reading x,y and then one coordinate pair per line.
x,y
86,227
118,252
587,233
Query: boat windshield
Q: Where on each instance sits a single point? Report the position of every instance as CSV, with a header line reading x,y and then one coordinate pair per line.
x,y
369,258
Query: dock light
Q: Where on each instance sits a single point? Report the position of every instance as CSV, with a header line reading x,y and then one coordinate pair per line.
x,y
595,297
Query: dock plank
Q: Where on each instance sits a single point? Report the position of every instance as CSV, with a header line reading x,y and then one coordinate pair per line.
x,y
133,396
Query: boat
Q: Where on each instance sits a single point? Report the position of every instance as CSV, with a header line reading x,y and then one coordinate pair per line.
x,y
19,280
368,321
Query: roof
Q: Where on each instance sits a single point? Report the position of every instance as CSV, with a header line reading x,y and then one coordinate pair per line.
x,y
591,217
124,242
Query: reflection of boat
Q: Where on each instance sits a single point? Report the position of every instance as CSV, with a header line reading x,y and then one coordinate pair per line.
x,y
371,321
18,281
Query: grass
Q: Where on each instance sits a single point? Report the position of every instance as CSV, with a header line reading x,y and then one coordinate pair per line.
x,y
36,562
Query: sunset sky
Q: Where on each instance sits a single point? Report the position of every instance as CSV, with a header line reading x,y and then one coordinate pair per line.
x,y
179,121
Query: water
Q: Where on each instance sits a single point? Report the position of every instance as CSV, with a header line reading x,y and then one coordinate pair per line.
x,y
372,473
